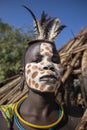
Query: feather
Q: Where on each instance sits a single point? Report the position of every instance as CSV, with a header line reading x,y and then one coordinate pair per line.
x,y
32,16
41,31
61,28
53,31
47,28
42,25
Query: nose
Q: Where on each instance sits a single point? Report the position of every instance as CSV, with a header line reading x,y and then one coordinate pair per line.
x,y
49,68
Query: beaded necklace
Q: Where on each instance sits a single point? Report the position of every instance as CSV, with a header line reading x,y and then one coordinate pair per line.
x,y
52,126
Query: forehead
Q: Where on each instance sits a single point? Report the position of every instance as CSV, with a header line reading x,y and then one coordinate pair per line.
x,y
46,48
36,48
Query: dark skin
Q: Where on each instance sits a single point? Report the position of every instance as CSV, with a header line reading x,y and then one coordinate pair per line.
x,y
40,108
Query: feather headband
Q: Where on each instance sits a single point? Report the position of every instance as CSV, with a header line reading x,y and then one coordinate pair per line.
x,y
47,28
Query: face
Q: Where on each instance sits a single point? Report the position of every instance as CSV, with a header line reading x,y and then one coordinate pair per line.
x,y
42,69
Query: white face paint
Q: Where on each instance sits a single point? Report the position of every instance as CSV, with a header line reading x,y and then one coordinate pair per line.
x,y
45,75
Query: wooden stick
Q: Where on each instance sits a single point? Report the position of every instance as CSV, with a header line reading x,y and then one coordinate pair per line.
x,y
78,49
9,86
10,94
75,72
79,42
65,45
84,63
69,70
83,123
70,44
84,76
18,95
8,79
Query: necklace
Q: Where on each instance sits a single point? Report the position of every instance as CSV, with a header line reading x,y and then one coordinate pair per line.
x,y
20,126
18,117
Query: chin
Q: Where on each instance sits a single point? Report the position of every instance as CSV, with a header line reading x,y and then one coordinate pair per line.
x,y
43,91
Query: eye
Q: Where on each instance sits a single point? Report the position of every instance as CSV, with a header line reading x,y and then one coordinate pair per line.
x,y
37,60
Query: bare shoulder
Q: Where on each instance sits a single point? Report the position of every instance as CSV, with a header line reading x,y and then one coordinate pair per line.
x,y
72,117
3,124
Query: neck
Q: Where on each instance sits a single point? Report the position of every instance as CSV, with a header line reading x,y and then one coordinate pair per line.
x,y
39,102
47,116
41,98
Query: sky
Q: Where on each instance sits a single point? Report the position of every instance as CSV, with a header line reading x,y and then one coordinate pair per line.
x,y
72,13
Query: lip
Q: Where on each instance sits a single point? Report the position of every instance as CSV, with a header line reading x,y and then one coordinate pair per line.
x,y
48,77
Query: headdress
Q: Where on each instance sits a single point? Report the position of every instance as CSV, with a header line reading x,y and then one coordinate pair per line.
x,y
47,28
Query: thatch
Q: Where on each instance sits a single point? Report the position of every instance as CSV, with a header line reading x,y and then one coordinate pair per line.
x,y
74,60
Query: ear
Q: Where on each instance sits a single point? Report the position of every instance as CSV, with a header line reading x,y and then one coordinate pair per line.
x,y
21,70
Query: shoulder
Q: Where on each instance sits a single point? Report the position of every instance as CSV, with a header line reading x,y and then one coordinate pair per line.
x,y
3,124
6,115
72,116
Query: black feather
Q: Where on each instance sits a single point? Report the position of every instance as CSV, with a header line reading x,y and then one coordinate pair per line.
x,y
32,16
61,28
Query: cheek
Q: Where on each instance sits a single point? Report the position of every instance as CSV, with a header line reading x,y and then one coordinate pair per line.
x,y
58,69
34,74
27,70
42,87
29,81
34,83
50,88
31,72
34,67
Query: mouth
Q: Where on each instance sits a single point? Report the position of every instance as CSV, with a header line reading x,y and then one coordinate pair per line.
x,y
48,78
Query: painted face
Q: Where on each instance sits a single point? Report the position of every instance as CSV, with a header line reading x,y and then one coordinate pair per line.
x,y
43,73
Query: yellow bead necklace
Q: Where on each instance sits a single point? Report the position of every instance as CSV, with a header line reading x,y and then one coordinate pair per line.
x,y
60,110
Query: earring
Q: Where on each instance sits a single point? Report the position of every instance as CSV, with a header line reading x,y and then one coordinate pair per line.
x,y
22,83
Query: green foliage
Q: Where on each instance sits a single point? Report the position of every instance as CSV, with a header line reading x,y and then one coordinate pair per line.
x,y
12,46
